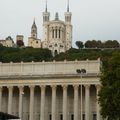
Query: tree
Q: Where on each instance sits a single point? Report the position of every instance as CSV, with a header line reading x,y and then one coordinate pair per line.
x,y
1,47
79,44
88,44
116,44
91,44
109,95
108,44
94,43
99,44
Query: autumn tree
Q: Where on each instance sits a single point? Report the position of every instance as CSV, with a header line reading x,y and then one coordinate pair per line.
x,y
20,43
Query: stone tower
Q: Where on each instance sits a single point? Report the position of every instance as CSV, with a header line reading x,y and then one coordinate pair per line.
x,y
34,30
46,17
68,16
33,40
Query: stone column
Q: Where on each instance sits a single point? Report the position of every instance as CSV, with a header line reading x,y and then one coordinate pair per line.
x,y
42,109
76,102
54,33
53,102
87,102
81,102
21,93
57,33
61,34
0,98
10,90
31,102
64,102
97,104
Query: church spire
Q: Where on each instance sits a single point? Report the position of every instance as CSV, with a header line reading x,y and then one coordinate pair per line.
x,y
56,16
34,30
68,6
34,24
34,20
46,6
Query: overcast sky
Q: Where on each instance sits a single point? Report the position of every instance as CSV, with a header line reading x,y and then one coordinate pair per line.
x,y
91,19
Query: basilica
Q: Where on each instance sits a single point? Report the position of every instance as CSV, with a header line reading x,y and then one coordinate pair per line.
x,y
57,33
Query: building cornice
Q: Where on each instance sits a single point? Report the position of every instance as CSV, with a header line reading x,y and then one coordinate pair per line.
x,y
13,77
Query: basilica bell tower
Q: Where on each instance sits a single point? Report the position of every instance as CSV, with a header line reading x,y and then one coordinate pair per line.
x,y
46,19
68,16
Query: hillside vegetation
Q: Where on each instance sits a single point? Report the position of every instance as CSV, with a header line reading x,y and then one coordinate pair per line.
x,y
24,54
39,54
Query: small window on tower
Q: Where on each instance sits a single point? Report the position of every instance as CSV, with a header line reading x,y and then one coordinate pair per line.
x,y
61,46
50,46
61,117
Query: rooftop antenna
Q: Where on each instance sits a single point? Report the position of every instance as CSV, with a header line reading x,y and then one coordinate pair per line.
x,y
46,6
68,6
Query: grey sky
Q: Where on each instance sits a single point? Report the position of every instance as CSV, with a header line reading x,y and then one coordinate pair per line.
x,y
91,19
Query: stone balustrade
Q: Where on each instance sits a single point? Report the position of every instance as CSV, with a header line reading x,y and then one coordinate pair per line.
x,y
49,68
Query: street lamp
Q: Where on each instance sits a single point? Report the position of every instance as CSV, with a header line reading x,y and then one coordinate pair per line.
x,y
81,72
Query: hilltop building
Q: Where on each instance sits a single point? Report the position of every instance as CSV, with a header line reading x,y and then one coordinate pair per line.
x,y
8,42
57,34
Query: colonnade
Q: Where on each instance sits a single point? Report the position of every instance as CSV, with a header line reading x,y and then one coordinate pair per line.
x,y
53,102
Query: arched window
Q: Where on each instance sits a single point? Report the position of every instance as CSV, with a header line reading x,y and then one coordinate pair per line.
x,y
59,33
55,53
52,33
56,33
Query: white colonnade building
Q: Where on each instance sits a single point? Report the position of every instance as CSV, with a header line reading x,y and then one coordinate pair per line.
x,y
50,90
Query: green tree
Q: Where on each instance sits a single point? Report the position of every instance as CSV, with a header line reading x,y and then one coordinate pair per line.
x,y
116,44
108,44
99,44
91,44
79,44
109,95
88,44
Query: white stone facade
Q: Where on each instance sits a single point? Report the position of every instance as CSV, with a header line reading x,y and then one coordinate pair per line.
x,y
50,90
35,43
8,42
57,34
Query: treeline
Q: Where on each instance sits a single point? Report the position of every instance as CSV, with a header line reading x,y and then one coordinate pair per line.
x,y
98,44
84,54
39,54
24,54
